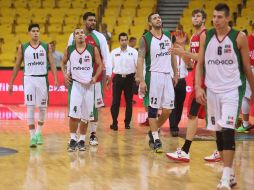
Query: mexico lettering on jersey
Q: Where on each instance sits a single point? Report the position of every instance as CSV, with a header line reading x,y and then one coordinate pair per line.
x,y
158,57
93,40
35,59
251,48
81,63
223,63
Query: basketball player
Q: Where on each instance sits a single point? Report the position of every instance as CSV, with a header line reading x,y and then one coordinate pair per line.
x,y
224,54
98,40
246,126
159,79
82,59
195,110
35,55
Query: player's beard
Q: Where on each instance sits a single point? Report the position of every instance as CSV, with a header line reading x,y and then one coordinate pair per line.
x,y
90,28
197,26
157,27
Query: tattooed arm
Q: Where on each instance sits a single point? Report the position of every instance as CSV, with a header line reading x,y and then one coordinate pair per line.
x,y
140,65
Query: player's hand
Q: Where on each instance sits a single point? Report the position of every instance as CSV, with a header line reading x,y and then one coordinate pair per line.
x,y
107,80
142,87
137,79
177,50
200,95
67,80
93,81
10,89
175,80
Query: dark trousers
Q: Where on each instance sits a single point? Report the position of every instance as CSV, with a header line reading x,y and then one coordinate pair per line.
x,y
180,94
124,84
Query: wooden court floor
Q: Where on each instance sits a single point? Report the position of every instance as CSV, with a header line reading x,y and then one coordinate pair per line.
x,y
121,161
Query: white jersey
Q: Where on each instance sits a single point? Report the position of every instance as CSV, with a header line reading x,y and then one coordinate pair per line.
x,y
223,66
158,57
35,59
81,64
98,40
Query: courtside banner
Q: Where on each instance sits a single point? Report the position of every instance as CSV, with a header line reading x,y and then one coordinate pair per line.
x,y
60,96
56,97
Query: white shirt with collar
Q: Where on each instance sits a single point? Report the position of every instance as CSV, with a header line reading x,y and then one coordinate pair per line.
x,y
124,62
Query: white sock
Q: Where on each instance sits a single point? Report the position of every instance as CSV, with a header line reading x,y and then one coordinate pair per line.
x,y
93,127
74,136
232,171
39,128
246,123
82,137
32,133
227,171
155,135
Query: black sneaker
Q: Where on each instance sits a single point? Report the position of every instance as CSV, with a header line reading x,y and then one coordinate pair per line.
x,y
114,127
158,146
72,145
151,140
81,145
127,126
93,139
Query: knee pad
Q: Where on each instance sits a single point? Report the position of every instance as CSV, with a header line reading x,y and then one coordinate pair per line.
x,y
152,112
246,106
42,114
228,139
219,140
30,115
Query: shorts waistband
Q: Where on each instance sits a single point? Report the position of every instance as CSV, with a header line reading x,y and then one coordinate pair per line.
x,y
36,75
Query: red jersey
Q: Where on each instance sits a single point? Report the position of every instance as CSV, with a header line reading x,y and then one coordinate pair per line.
x,y
251,48
194,44
90,40
194,48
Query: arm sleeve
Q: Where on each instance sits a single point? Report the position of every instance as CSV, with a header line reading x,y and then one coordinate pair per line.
x,y
70,42
71,39
106,58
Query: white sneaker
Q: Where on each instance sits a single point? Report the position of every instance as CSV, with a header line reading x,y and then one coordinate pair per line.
x,y
93,140
215,157
224,185
179,155
232,180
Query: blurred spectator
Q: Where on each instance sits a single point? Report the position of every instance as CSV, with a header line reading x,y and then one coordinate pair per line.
x,y
245,31
108,36
58,56
132,42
